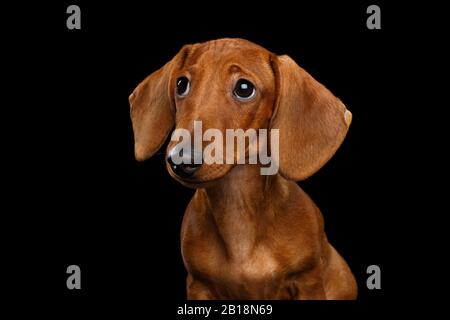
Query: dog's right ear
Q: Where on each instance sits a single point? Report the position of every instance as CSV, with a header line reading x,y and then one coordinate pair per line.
x,y
153,108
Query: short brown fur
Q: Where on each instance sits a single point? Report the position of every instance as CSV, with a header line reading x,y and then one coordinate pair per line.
x,y
245,235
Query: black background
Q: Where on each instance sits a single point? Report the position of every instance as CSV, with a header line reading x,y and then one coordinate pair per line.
x,y
79,197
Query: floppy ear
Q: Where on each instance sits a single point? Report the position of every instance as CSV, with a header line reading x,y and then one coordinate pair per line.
x,y
311,120
153,109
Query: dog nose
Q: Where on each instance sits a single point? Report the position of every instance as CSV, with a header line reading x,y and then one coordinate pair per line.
x,y
186,168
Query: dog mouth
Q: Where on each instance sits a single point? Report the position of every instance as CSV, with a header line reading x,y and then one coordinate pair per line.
x,y
186,172
197,176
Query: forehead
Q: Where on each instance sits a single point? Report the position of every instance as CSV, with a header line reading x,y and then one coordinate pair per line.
x,y
227,52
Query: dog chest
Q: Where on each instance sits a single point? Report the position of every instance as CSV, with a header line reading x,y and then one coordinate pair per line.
x,y
255,276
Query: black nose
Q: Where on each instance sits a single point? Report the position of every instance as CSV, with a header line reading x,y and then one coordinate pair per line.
x,y
183,170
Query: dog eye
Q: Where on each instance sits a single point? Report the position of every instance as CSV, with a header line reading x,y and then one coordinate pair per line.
x,y
244,90
182,86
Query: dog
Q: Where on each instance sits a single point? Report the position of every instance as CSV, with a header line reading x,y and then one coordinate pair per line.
x,y
246,235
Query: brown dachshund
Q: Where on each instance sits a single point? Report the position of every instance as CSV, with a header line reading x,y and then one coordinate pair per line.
x,y
247,235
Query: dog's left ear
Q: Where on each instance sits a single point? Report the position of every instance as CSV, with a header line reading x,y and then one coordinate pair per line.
x,y
311,120
153,108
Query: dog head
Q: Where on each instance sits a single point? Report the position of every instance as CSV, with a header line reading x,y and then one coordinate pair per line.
x,y
231,84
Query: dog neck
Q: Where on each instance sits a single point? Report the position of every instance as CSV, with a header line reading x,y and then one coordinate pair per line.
x,y
240,206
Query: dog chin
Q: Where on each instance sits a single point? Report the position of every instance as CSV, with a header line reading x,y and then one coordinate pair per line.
x,y
200,180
